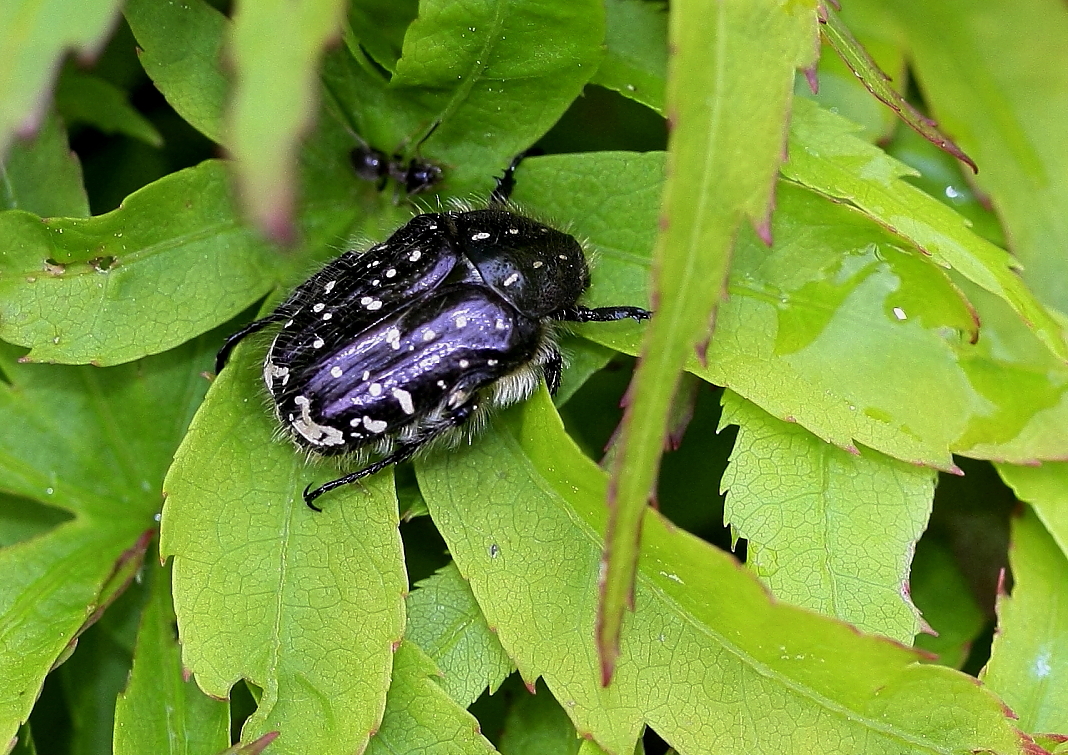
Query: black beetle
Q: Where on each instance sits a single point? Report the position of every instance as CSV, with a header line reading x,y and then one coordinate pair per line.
x,y
454,314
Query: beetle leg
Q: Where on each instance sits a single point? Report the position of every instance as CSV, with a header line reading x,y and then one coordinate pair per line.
x,y
454,419
401,454
231,342
552,368
502,192
579,313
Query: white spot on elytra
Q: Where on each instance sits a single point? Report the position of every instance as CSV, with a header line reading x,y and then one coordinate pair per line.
x,y
316,434
464,364
319,307
511,279
461,321
434,227
429,335
480,235
317,343
491,362
561,257
537,264
288,323
414,256
366,300
354,422
375,282
366,374
513,231
376,304
390,273
336,371
374,425
327,316
375,389
272,371
393,338
329,286
499,324
405,400
441,384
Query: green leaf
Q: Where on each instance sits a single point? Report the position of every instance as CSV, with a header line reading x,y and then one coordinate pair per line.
x,y
878,83
1045,487
635,62
737,57
379,26
274,101
825,156
1029,659
173,262
839,88
455,58
182,52
420,716
36,37
827,530
308,607
945,599
159,711
537,724
84,98
446,622
42,175
94,675
823,294
707,659
25,744
976,65
95,443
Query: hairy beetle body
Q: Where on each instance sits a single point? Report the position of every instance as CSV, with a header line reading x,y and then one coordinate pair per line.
x,y
454,314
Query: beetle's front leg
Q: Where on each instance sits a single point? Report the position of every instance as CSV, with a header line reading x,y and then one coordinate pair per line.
x,y
231,343
578,313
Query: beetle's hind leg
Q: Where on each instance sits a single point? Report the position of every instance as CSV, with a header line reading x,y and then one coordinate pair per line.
x,y
579,313
455,418
231,343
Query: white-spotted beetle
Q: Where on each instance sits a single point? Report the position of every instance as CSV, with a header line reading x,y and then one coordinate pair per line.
x,y
396,347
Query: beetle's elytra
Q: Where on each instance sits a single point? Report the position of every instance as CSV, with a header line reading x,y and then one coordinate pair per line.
x,y
454,314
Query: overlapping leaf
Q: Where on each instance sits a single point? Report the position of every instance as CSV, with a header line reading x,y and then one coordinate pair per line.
x,y
720,173
813,325
36,37
1029,659
996,76
95,443
160,711
308,607
827,530
522,513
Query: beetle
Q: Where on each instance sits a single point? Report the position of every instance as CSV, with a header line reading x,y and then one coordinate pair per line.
x,y
389,350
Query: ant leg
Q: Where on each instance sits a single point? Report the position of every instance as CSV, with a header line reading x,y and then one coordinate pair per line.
x,y
579,313
502,192
231,342
552,368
